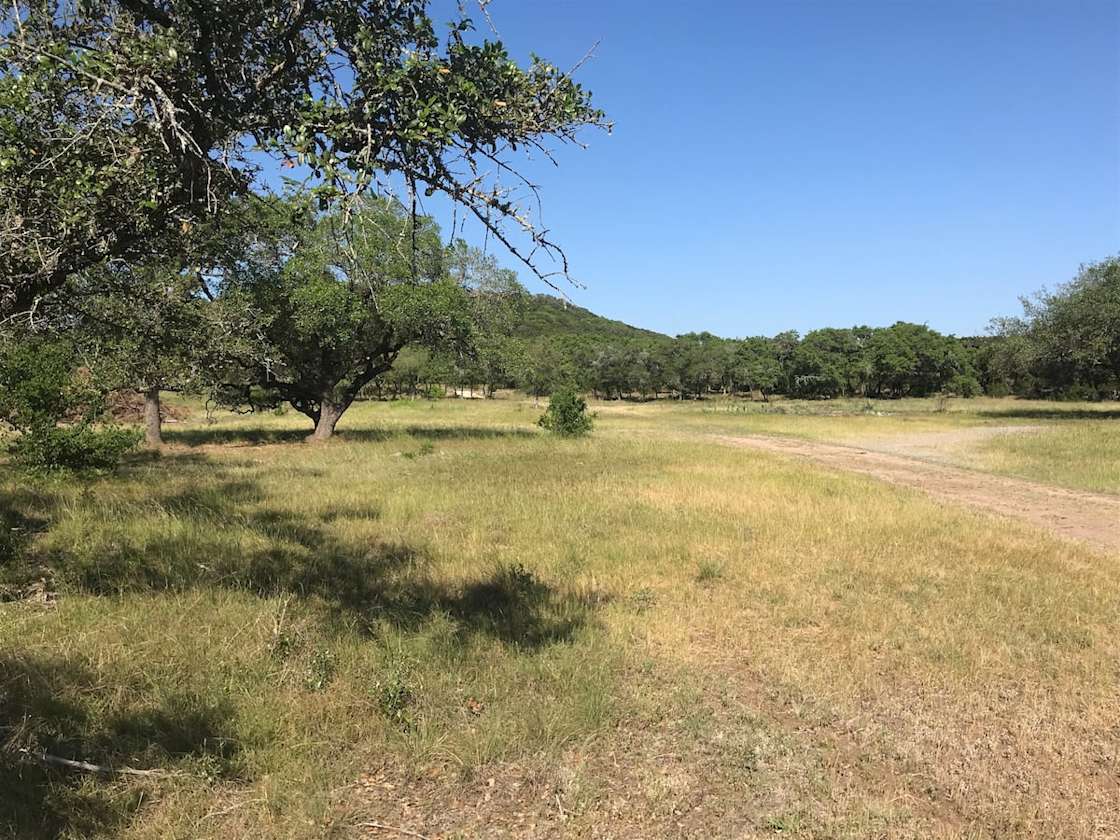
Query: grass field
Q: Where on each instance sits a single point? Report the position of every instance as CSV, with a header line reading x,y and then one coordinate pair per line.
x,y
447,622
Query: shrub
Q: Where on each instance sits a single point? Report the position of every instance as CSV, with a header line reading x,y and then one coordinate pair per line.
x,y
396,691
708,572
47,447
964,386
38,383
566,414
41,388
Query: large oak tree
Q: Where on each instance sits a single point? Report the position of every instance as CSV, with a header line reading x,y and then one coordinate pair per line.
x,y
336,296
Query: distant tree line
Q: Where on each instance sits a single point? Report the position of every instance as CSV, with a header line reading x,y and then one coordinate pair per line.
x,y
901,360
1065,345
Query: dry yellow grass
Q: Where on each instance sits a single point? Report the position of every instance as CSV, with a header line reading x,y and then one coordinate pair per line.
x,y
447,622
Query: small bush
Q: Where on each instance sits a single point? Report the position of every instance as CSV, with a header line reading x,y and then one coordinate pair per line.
x,y
426,448
643,599
708,572
46,447
395,693
53,404
38,382
566,415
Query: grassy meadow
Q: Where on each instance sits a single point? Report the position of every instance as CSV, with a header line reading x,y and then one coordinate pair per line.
x,y
447,622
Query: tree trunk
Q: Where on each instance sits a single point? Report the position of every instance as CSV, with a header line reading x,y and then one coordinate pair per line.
x,y
153,423
329,414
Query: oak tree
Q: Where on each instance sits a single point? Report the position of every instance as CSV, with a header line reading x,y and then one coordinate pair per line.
x,y
124,120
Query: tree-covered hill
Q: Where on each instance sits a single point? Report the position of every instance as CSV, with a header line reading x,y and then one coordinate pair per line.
x,y
545,316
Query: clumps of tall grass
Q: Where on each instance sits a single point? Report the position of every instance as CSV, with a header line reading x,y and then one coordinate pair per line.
x,y
425,449
708,572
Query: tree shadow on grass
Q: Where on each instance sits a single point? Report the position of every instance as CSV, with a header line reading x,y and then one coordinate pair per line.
x,y
259,435
1055,414
468,432
386,582
219,532
23,514
50,706
54,705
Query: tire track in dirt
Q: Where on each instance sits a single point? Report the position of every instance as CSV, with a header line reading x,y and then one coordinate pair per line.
x,y
1093,518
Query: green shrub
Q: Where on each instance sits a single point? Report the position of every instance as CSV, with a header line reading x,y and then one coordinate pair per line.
x,y
964,386
708,572
566,415
53,403
47,447
39,384
396,691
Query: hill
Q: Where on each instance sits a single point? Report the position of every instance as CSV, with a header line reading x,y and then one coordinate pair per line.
x,y
546,315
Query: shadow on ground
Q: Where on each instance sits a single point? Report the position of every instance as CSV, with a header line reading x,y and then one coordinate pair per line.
x,y
203,524
44,709
189,507
1055,413
259,435
23,514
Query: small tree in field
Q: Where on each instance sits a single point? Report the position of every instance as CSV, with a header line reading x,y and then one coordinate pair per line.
x,y
336,299
154,338
566,414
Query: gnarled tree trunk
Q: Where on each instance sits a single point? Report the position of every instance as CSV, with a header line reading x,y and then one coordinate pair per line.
x,y
153,422
329,414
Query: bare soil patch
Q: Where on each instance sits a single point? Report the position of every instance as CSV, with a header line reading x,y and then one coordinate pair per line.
x,y
1090,517
948,446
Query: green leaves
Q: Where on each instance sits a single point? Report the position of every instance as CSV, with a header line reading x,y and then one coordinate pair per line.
x,y
566,414
339,296
118,121
41,387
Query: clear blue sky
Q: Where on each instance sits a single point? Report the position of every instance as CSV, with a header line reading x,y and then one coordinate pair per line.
x,y
784,165
791,165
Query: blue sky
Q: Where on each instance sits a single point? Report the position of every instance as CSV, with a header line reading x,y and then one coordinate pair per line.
x,y
792,165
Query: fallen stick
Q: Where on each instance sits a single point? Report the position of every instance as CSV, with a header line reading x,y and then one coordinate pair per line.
x,y
383,827
86,767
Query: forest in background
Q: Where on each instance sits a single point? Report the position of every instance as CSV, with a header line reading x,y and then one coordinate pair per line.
x,y
1065,345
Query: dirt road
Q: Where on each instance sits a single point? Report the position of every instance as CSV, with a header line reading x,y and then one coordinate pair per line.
x,y
1091,517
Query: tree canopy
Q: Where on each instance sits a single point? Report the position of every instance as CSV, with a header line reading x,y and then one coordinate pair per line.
x,y
123,123
1067,341
336,296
